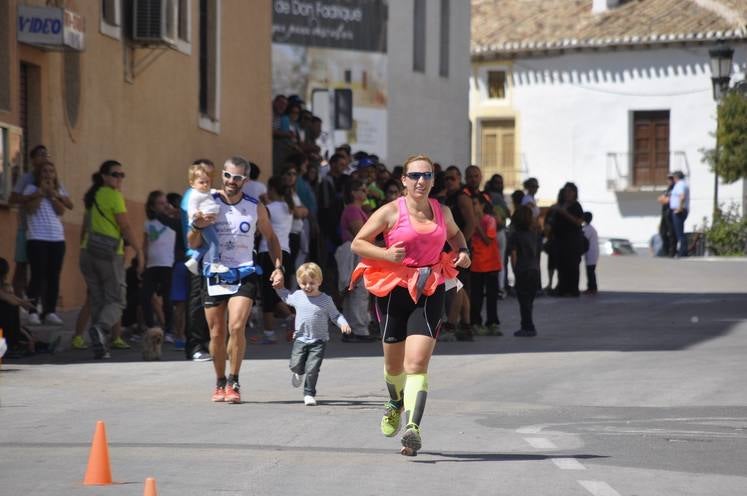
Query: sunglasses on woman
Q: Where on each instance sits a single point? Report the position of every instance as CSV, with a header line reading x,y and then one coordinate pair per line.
x,y
415,176
117,175
234,177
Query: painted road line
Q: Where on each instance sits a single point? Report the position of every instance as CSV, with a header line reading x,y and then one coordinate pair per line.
x,y
598,488
568,464
540,443
531,429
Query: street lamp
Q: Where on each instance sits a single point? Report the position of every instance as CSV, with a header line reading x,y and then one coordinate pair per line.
x,y
721,63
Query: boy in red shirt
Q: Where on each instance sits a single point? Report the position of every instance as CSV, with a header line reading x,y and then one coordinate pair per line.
x,y
486,265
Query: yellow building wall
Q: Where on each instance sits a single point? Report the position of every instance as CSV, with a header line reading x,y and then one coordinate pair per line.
x,y
149,124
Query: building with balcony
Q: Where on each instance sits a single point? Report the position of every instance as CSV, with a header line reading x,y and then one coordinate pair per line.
x,y
609,94
153,84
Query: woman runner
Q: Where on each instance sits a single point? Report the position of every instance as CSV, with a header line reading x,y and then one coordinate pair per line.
x,y
408,278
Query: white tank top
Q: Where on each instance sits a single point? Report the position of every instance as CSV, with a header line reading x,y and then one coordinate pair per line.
x,y
234,227
281,219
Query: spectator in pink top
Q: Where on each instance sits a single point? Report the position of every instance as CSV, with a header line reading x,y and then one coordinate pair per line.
x,y
355,306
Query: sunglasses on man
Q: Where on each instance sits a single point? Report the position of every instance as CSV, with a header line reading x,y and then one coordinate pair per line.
x,y
415,176
233,177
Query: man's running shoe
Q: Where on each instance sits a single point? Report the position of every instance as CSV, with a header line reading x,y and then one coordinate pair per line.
x,y
79,343
219,394
309,400
98,341
390,422
233,395
120,344
411,441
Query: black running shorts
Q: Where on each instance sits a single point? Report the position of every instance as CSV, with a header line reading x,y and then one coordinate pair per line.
x,y
400,317
248,288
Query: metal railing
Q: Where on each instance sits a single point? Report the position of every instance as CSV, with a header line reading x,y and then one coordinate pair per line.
x,y
620,171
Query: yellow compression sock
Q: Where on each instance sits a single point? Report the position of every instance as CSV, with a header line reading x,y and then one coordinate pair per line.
x,y
416,392
395,384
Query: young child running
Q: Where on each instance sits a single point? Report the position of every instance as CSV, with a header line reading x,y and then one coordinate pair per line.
x,y
201,200
313,310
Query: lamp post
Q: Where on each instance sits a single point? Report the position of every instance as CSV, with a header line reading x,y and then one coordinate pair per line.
x,y
721,63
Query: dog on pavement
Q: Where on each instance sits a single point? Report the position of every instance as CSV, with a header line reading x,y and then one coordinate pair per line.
x,y
152,342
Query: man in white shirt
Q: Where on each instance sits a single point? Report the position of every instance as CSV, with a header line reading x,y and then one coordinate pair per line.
x,y
531,186
679,204
231,290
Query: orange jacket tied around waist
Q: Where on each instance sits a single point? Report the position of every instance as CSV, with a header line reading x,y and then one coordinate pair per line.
x,y
380,277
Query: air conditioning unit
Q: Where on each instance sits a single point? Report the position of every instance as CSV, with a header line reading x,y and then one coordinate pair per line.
x,y
152,22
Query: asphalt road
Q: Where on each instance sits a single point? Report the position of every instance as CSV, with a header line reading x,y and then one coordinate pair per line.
x,y
637,391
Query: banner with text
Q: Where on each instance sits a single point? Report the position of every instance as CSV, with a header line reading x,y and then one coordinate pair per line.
x,y
342,24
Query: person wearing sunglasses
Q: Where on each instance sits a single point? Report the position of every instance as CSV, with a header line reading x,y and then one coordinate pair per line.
x,y
101,263
409,276
230,278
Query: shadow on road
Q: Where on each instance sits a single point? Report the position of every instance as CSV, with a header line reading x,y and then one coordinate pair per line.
x,y
609,321
447,456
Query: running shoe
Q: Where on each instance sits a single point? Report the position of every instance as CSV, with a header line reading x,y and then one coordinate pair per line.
x,y
120,344
219,394
296,380
390,422
201,356
33,319
411,441
233,395
79,343
52,319
179,344
525,333
98,341
309,400
269,339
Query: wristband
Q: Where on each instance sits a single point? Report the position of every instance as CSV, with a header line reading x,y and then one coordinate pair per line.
x,y
464,250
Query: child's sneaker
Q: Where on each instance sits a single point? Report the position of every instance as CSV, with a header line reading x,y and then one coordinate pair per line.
x,y
390,422
233,395
79,343
193,266
411,441
309,400
296,380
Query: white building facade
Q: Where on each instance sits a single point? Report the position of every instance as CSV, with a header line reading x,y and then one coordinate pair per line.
x,y
615,120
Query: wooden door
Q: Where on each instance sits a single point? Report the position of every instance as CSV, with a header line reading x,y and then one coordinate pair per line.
x,y
497,150
650,148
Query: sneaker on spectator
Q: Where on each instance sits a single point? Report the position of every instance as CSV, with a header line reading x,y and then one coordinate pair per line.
x,y
53,319
233,393
269,338
201,356
525,333
168,337
309,400
219,394
179,344
33,319
78,343
120,344
296,380
98,342
480,330
495,330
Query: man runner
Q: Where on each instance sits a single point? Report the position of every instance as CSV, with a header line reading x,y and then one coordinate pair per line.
x,y
230,276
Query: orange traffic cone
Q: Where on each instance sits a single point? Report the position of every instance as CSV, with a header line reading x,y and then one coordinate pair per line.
x,y
99,471
150,487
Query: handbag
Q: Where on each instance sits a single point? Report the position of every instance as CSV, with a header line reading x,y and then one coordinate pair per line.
x,y
101,246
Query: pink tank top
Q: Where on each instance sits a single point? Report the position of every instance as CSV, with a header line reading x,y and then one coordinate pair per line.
x,y
422,249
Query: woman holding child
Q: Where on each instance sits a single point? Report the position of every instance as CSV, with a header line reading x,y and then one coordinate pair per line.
x,y
408,277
